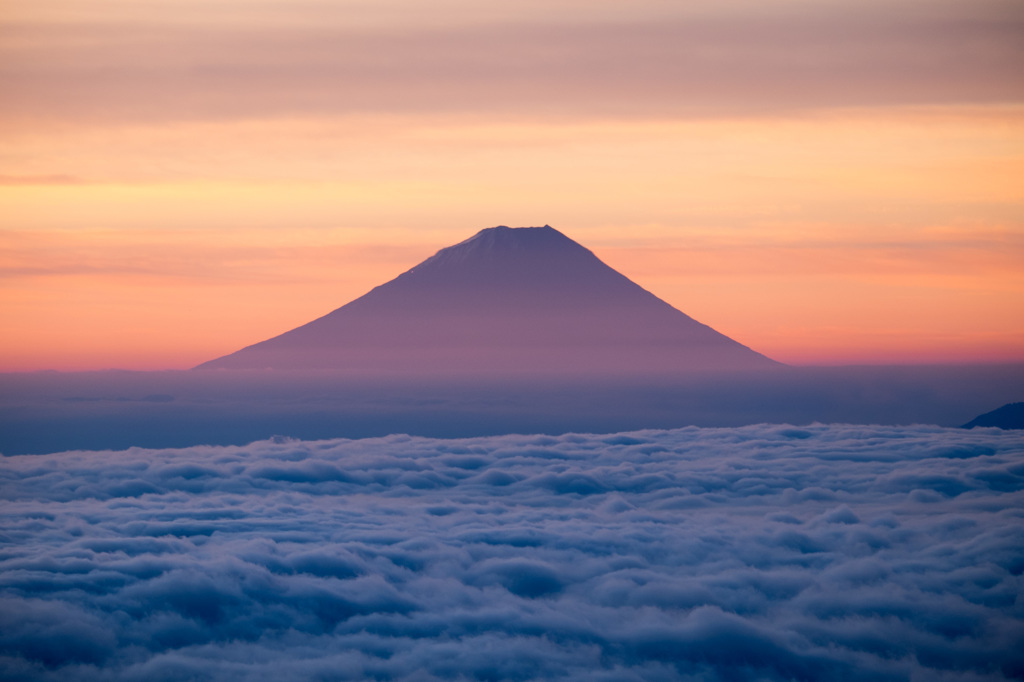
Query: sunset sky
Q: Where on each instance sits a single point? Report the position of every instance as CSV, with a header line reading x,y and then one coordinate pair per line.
x,y
828,182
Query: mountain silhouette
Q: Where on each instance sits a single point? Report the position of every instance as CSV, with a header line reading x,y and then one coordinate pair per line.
x,y
1009,416
507,300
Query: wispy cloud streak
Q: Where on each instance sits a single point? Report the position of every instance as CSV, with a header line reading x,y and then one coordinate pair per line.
x,y
739,62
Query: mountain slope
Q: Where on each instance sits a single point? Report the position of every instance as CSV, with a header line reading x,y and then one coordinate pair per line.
x,y
508,300
1009,416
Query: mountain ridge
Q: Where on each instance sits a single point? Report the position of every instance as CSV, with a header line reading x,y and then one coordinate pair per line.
x,y
1010,417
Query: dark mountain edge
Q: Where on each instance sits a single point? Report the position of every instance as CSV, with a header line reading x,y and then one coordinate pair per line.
x,y
506,301
52,412
1009,416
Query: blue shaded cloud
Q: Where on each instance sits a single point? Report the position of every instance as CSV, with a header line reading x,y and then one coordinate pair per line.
x,y
755,553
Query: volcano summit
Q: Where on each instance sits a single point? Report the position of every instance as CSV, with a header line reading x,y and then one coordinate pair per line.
x,y
506,301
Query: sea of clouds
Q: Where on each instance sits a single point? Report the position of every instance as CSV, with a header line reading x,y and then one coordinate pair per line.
x,y
755,553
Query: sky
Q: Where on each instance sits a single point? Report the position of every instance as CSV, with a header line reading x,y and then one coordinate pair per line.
x,y
826,182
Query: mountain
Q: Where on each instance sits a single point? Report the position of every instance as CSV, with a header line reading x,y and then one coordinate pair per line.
x,y
507,300
1009,416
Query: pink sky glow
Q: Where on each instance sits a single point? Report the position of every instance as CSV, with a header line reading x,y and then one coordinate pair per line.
x,y
826,182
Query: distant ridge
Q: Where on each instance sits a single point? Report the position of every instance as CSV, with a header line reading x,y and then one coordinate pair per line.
x,y
507,300
1009,416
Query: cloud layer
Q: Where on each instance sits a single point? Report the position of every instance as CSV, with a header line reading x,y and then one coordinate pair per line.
x,y
755,553
744,60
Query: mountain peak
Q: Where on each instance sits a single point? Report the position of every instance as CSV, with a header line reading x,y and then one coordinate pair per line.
x,y
506,300
502,243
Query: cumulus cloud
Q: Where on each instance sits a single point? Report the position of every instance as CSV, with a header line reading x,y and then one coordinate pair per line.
x,y
754,553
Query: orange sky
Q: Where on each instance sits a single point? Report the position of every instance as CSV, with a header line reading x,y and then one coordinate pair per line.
x,y
829,182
